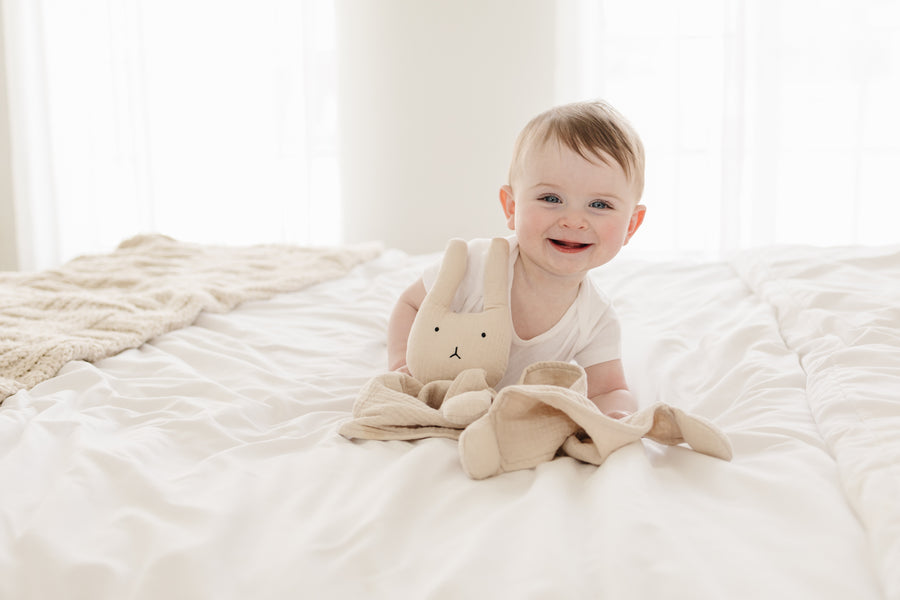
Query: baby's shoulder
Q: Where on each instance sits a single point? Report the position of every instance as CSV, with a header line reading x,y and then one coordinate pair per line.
x,y
592,300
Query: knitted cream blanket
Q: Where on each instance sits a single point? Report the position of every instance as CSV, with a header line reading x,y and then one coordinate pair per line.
x,y
97,306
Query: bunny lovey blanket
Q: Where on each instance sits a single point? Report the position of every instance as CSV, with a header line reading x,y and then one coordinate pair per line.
x,y
547,413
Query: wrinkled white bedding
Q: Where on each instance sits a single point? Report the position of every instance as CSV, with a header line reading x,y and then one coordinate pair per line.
x,y
207,464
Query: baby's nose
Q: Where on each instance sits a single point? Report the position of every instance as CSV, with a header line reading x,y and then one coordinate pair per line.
x,y
573,219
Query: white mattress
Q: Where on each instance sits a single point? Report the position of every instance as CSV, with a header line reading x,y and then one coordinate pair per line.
x,y
207,464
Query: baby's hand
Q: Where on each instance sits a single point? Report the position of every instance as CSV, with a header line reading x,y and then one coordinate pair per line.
x,y
403,369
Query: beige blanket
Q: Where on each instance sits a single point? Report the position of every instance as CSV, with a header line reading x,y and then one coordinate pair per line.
x,y
97,306
546,414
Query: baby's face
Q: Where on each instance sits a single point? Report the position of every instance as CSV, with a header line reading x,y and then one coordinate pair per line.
x,y
570,214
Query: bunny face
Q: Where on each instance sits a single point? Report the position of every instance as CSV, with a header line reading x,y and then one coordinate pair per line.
x,y
459,341
443,343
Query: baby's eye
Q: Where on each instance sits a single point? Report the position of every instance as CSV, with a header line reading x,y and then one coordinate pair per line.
x,y
600,204
551,198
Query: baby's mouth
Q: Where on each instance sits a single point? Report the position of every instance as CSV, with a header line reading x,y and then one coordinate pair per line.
x,y
567,246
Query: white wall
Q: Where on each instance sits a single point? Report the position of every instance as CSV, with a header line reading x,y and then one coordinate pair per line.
x,y
8,254
414,172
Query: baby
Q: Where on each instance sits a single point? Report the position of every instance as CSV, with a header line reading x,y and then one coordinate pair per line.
x,y
575,183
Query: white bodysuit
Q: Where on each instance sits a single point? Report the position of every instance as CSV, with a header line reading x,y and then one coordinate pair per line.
x,y
588,333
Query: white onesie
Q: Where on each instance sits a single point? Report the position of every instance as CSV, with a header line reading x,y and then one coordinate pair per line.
x,y
588,333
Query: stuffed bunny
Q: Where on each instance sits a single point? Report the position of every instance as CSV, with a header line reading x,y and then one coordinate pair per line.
x,y
444,344
454,359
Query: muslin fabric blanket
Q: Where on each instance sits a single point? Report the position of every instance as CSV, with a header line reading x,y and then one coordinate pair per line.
x,y
546,414
396,406
96,306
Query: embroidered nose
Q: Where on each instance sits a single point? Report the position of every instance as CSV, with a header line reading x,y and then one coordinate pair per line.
x,y
455,353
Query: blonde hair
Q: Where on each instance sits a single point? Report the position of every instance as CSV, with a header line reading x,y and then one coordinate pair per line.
x,y
592,129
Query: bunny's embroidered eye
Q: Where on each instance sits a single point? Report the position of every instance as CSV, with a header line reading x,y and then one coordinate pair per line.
x,y
483,334
437,328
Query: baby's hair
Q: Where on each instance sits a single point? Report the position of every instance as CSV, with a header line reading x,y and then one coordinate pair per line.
x,y
590,129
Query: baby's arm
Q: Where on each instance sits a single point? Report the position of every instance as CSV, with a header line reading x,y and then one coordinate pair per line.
x,y
401,322
608,390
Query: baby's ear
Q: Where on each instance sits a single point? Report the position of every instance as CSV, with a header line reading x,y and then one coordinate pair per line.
x,y
508,202
637,217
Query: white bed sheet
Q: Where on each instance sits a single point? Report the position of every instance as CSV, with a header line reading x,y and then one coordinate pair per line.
x,y
207,464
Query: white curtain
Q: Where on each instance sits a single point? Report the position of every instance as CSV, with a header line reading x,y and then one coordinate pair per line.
x,y
208,120
765,121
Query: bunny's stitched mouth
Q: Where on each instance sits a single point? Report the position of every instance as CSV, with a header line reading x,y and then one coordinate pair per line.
x,y
455,353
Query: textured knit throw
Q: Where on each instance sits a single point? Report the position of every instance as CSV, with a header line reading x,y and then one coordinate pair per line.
x,y
97,306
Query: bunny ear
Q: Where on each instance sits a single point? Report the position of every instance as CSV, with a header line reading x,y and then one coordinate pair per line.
x,y
496,273
453,268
